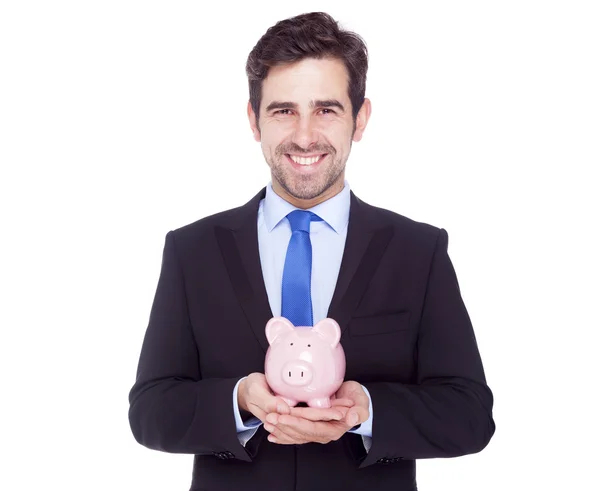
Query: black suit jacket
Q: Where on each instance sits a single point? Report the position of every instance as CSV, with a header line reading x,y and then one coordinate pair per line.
x,y
405,332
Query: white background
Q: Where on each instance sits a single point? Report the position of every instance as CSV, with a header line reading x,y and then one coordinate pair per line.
x,y
121,120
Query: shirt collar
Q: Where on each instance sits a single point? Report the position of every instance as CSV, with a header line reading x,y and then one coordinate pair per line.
x,y
334,211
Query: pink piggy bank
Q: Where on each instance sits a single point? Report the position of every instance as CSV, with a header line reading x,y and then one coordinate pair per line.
x,y
304,364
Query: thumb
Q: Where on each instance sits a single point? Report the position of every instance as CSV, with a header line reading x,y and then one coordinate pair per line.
x,y
356,415
278,405
352,418
272,403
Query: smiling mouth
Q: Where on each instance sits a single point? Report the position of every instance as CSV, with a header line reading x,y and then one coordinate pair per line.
x,y
306,161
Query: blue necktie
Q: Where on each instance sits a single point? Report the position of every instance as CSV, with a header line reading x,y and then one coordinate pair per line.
x,y
296,304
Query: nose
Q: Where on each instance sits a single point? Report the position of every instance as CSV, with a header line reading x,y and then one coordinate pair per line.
x,y
305,135
297,373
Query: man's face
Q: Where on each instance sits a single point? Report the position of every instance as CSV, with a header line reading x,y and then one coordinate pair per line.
x,y
306,129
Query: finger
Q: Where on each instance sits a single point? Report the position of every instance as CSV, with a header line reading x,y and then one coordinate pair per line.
x,y
344,401
353,391
283,437
286,432
343,410
356,415
259,397
273,418
319,431
272,406
257,411
273,427
317,414
276,405
261,406
282,407
282,441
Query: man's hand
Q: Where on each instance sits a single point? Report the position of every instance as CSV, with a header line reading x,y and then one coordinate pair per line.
x,y
255,396
307,424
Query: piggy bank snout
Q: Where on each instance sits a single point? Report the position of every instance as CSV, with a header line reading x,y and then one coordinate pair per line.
x,y
297,373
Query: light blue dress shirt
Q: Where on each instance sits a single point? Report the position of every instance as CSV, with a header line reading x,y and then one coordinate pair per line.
x,y
328,238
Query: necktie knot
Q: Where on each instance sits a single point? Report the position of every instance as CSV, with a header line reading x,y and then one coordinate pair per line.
x,y
300,220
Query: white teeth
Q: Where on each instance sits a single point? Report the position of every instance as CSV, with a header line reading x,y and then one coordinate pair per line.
x,y
304,160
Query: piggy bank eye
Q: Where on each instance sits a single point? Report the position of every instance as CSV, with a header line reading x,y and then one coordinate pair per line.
x,y
309,345
291,344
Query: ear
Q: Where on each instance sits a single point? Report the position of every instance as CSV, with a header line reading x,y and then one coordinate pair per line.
x,y
329,330
276,327
253,122
362,118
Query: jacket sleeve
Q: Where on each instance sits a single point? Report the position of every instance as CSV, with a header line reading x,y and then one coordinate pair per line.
x,y
448,411
171,407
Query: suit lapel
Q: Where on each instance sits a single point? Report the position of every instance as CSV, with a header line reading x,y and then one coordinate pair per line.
x,y
366,242
239,246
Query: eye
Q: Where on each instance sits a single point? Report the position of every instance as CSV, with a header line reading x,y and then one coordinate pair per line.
x,y
329,111
309,345
291,344
282,112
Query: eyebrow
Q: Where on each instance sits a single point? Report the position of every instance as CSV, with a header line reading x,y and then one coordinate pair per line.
x,y
313,104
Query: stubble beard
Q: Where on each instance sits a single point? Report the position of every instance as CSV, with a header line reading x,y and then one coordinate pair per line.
x,y
305,187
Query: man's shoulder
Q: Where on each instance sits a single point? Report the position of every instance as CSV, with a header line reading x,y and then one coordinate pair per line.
x,y
404,227
229,218
207,224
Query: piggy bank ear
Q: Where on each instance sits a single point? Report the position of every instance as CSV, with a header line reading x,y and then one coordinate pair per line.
x,y
329,330
276,327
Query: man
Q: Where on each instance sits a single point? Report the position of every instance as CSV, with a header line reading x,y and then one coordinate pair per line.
x,y
415,385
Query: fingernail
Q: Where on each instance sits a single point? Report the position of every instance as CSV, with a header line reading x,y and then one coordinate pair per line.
x,y
280,408
353,418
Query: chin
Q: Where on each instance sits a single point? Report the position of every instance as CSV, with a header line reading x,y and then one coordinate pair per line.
x,y
305,192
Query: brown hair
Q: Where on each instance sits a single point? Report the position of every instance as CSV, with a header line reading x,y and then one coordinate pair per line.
x,y
313,35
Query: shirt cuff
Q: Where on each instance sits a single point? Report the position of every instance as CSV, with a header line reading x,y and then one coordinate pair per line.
x,y
252,424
